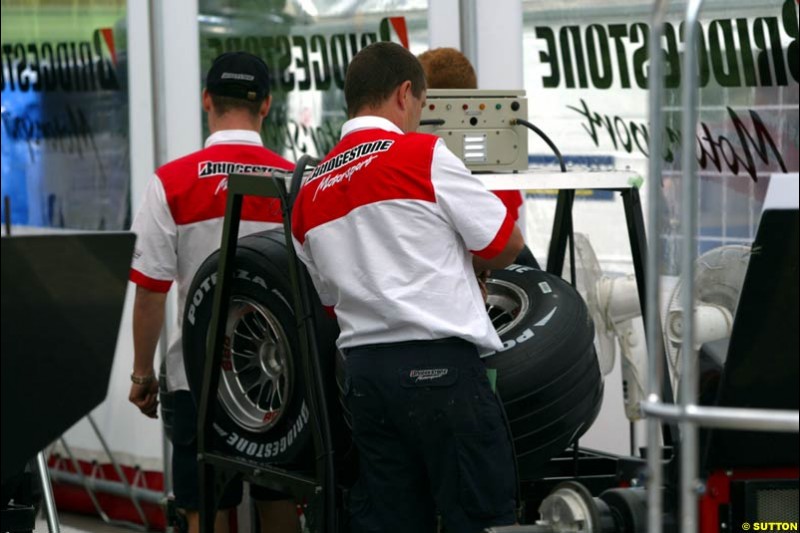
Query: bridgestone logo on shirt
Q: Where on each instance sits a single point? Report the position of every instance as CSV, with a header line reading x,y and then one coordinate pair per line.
x,y
330,181
207,169
348,156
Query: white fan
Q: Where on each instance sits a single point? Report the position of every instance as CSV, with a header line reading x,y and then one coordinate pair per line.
x,y
610,300
613,304
719,277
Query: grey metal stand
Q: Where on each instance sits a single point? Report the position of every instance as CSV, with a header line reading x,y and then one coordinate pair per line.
x,y
47,493
216,468
93,484
688,414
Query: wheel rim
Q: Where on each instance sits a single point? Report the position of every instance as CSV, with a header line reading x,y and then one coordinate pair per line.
x,y
506,304
255,384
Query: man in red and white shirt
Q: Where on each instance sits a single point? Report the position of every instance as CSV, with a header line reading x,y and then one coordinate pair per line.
x,y
179,224
392,228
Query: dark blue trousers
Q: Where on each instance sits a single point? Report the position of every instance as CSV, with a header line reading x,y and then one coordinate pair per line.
x,y
430,436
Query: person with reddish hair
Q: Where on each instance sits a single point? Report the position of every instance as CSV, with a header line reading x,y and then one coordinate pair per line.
x,y
448,68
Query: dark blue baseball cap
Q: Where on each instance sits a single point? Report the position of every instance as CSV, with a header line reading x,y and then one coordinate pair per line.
x,y
239,75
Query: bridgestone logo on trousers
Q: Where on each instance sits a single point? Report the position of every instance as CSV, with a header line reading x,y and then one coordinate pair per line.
x,y
207,169
428,374
270,449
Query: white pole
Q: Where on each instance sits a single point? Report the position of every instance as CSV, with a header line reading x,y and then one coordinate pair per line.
x,y
443,24
177,36
140,99
499,44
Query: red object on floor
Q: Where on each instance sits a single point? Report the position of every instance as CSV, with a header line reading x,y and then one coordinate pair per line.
x,y
75,499
718,491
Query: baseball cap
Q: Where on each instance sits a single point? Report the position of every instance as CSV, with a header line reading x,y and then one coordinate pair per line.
x,y
239,75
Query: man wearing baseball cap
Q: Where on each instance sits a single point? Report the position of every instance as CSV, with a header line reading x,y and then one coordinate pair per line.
x,y
178,225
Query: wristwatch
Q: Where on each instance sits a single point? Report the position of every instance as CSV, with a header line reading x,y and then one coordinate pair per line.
x,y
142,380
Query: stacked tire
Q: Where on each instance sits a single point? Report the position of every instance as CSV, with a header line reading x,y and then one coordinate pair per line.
x,y
262,412
548,376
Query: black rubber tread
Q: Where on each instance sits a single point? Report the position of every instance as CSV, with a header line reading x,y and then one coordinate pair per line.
x,y
264,255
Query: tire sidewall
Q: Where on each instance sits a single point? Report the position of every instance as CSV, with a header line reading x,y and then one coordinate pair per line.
x,y
556,322
261,282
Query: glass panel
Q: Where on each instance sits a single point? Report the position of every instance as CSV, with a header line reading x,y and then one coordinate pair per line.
x,y
586,77
65,114
307,45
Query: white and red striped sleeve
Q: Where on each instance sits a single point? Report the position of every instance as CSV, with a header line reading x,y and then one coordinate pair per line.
x,y
155,260
482,220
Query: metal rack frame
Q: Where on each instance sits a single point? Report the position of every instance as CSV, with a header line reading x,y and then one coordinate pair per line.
x,y
135,490
624,183
687,413
217,469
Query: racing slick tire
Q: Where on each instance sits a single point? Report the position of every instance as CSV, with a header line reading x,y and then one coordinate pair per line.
x,y
548,374
262,413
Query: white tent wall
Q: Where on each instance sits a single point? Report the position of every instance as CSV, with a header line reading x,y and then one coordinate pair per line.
x,y
499,44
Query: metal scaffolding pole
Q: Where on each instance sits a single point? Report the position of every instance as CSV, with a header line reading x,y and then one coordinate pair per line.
x,y
689,415
655,368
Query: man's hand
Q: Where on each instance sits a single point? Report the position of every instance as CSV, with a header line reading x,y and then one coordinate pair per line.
x,y
145,397
148,318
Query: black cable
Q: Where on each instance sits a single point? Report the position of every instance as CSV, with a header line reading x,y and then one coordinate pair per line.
x,y
575,457
560,158
545,138
571,233
7,217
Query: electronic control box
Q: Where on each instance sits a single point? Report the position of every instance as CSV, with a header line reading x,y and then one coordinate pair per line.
x,y
479,126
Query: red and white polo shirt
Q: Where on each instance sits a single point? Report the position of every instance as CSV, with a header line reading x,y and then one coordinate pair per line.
x,y
179,223
387,225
